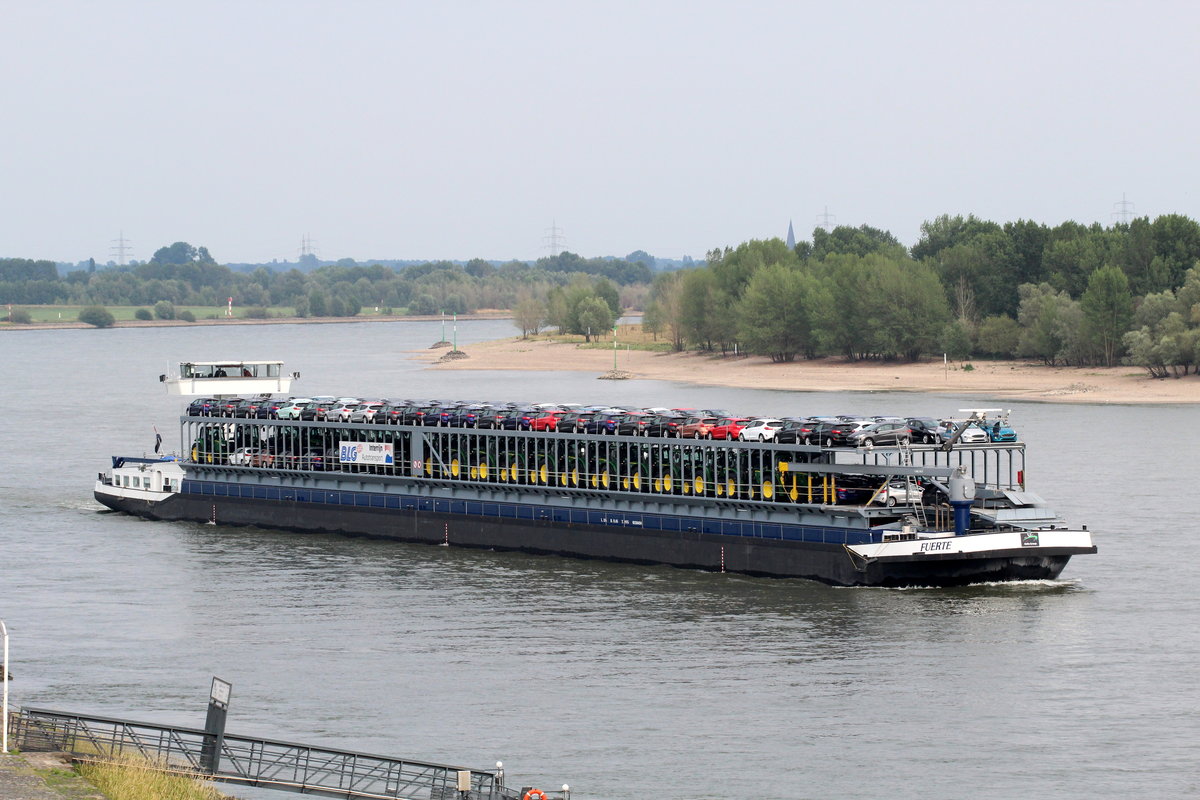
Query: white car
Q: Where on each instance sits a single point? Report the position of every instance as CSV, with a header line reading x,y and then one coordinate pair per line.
x,y
898,493
245,456
972,435
365,411
341,412
760,430
291,409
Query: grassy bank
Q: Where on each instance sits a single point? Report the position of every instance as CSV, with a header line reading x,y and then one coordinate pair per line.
x,y
132,778
629,337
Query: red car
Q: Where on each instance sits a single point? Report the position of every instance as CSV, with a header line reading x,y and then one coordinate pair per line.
x,y
697,427
548,421
728,427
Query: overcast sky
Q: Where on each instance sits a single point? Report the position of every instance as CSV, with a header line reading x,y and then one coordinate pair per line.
x,y
455,130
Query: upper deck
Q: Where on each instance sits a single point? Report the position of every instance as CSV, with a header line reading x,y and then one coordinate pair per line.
x,y
229,378
849,487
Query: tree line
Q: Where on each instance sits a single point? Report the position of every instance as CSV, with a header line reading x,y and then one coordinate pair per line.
x,y
181,274
1070,294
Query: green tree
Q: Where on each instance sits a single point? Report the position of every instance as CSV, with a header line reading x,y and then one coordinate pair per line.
x,y
775,313
528,315
860,241
998,336
164,309
956,339
143,314
704,310
1107,309
1045,318
97,316
595,316
20,316
665,309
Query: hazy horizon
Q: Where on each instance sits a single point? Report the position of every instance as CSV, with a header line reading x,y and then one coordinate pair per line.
x,y
403,131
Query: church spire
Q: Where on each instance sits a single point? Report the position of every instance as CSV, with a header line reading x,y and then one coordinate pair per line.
x,y
791,239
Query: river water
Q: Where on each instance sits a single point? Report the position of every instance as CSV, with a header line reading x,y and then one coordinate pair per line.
x,y
623,681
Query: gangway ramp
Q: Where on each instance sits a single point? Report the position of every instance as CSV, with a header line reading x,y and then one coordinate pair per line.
x,y
254,761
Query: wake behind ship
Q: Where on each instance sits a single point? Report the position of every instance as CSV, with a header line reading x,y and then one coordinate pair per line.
x,y
937,514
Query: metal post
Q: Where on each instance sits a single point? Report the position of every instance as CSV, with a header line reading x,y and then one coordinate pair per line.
x,y
214,725
443,324
4,676
455,331
614,347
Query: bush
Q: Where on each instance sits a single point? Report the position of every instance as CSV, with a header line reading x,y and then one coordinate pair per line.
x,y
97,316
164,309
20,316
256,312
187,316
143,314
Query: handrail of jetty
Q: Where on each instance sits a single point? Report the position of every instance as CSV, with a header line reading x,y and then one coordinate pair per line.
x,y
251,761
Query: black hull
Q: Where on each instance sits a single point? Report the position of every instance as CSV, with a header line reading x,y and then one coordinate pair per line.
x,y
828,563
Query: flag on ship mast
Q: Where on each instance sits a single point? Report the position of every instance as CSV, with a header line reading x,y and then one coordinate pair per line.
x,y
157,439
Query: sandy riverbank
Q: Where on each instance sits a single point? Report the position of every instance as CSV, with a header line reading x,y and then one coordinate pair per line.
x,y
1002,380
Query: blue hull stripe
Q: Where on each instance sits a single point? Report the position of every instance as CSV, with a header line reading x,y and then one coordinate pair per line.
x,y
563,516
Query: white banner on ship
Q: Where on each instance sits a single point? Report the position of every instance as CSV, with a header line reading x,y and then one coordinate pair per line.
x,y
367,453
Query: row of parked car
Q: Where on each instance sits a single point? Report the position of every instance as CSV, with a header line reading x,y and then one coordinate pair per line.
x,y
684,423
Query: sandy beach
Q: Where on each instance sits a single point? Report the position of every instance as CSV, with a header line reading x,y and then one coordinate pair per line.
x,y
1013,380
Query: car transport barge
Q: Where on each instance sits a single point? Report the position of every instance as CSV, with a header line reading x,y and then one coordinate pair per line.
x,y
907,515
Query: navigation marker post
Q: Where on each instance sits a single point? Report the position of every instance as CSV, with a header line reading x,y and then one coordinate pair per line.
x,y
214,725
614,347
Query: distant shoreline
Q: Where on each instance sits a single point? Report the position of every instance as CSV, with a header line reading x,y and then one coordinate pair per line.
x,y
179,323
998,381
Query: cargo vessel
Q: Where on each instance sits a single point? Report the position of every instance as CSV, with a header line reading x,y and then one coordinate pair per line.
x,y
939,514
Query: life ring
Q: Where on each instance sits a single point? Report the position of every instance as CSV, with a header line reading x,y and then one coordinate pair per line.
x,y
534,794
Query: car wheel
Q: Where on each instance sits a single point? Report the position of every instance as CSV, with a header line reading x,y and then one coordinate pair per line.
x,y
743,438
904,440
807,440
708,435
891,501
828,442
762,437
868,442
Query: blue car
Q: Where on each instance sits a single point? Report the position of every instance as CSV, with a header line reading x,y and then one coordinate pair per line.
x,y
998,431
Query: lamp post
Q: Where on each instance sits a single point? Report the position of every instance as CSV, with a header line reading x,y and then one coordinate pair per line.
x,y
4,679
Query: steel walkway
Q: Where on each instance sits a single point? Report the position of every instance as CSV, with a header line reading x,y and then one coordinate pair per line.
x,y
253,761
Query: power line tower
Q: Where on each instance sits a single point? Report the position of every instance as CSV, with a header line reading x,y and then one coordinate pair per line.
x,y
121,248
826,218
308,248
553,239
1124,210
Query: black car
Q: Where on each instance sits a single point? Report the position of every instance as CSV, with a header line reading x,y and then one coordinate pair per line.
x,y
247,408
225,407
633,423
926,430
837,433
573,421
798,431
665,425
881,433
316,410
